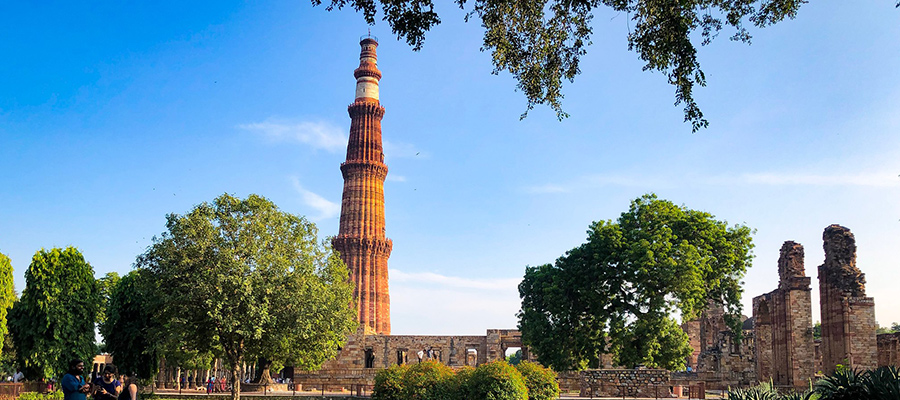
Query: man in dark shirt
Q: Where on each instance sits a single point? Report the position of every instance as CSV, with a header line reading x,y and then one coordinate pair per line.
x,y
73,385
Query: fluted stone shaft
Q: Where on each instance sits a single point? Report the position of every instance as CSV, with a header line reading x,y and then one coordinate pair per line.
x,y
361,238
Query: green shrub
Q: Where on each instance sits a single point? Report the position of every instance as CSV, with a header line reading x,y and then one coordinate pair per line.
x,y
541,381
54,395
428,380
460,383
389,383
497,381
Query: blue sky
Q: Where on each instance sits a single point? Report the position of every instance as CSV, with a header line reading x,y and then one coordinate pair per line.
x,y
115,115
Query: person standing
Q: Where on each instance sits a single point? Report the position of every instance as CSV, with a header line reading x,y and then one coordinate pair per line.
x,y
129,391
107,387
73,385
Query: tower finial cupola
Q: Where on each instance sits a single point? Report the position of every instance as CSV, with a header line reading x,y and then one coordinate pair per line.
x,y
367,75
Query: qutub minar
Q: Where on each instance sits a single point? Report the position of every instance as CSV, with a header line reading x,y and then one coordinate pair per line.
x,y
361,238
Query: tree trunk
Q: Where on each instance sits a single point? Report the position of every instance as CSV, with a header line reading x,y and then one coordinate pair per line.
x,y
236,380
265,375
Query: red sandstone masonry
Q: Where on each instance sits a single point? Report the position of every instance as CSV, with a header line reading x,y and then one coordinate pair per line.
x,y
848,316
361,239
783,324
889,349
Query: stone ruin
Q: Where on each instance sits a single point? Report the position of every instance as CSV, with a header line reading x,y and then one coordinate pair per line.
x,y
783,324
778,340
848,316
719,358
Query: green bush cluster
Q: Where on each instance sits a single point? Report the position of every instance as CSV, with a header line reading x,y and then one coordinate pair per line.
x,y
389,383
541,382
54,395
497,380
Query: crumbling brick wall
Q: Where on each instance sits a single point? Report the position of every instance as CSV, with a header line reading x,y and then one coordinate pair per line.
x,y
889,349
848,316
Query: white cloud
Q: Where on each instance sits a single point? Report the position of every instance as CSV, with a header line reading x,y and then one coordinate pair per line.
x,y
318,134
325,208
396,178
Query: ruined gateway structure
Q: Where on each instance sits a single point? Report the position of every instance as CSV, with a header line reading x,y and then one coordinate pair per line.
x,y
776,343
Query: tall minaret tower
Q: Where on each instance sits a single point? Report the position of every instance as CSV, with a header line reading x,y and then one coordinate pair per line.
x,y
361,240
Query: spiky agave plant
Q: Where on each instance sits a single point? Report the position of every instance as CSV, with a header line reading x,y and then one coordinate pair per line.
x,y
883,383
807,395
843,384
763,391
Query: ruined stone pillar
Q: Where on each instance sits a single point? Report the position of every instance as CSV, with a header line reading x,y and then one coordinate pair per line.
x,y
848,316
361,239
783,324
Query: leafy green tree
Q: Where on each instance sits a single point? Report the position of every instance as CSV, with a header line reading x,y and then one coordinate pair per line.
x,y
895,327
54,320
8,365
129,325
616,292
105,286
817,330
246,280
7,296
651,342
514,358
540,42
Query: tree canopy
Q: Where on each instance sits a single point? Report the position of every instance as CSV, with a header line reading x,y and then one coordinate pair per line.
x,y
105,286
617,292
242,278
540,42
53,322
130,325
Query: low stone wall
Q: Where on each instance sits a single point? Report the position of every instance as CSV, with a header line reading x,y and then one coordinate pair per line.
x,y
650,383
569,382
